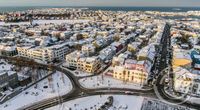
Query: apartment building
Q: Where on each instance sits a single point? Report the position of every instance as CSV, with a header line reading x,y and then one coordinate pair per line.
x,y
92,64
72,59
133,71
44,54
79,61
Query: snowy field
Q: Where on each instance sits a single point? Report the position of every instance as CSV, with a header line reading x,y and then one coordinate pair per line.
x,y
56,85
102,81
121,102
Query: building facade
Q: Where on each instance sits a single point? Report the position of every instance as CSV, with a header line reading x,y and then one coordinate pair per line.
x,y
133,71
44,54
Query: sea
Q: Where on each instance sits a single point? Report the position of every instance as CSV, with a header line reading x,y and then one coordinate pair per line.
x,y
162,9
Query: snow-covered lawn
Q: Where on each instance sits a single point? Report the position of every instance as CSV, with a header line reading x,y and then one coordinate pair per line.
x,y
102,81
58,84
93,102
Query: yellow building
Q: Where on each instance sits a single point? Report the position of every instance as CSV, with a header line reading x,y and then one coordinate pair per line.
x,y
130,75
81,64
86,64
92,64
133,71
74,59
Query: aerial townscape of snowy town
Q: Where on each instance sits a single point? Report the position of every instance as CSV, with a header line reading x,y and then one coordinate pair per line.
x,y
82,59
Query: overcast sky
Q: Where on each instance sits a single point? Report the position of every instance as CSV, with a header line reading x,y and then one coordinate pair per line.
x,y
188,3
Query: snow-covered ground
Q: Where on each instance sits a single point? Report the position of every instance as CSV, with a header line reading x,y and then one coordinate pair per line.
x,y
102,81
121,102
58,84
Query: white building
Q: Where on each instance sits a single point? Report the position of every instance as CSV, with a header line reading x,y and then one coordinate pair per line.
x,y
44,54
